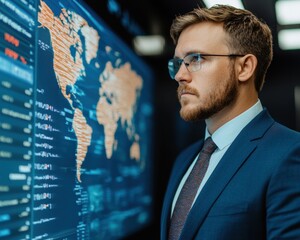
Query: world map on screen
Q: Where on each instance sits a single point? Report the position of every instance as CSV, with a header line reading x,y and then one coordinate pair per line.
x,y
75,45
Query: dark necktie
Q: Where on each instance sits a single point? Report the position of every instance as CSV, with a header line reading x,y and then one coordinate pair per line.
x,y
189,190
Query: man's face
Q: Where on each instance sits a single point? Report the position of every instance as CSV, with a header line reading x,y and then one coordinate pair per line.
x,y
209,90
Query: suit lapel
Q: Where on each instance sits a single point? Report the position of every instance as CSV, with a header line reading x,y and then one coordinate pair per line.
x,y
179,169
236,155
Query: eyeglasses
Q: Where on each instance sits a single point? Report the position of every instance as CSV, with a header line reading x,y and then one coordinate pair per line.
x,y
192,62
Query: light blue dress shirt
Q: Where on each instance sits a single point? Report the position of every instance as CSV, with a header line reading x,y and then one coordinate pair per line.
x,y
223,137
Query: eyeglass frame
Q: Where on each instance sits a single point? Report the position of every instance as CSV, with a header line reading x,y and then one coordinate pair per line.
x,y
186,64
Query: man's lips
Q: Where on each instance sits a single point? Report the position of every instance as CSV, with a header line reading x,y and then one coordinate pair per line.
x,y
185,92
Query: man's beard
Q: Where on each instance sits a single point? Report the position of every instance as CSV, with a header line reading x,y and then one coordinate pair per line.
x,y
218,99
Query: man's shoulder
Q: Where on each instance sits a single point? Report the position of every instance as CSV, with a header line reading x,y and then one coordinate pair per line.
x,y
283,134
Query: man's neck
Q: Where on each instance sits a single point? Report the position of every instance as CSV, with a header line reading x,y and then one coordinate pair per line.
x,y
227,114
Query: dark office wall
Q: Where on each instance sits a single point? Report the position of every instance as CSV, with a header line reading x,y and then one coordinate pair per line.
x,y
278,94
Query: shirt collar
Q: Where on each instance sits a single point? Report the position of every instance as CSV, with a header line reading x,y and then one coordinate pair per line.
x,y
226,134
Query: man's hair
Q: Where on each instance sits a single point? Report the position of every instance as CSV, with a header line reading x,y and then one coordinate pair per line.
x,y
246,33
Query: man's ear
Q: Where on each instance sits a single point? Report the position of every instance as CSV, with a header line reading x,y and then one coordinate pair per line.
x,y
246,67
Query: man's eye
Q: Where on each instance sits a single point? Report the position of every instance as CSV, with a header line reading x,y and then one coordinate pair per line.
x,y
196,58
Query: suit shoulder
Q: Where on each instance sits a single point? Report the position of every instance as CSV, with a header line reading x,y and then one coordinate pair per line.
x,y
280,139
284,133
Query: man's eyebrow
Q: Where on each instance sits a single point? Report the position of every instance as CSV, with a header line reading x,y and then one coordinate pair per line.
x,y
190,52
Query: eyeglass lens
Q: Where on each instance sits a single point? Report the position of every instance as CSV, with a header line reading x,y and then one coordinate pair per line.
x,y
191,61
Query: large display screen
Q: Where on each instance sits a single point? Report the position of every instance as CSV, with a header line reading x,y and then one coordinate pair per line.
x,y
75,125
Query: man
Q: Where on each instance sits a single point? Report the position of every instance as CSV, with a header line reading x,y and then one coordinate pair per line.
x,y
251,189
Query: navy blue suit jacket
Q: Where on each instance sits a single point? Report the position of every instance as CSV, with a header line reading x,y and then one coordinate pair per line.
x,y
253,193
